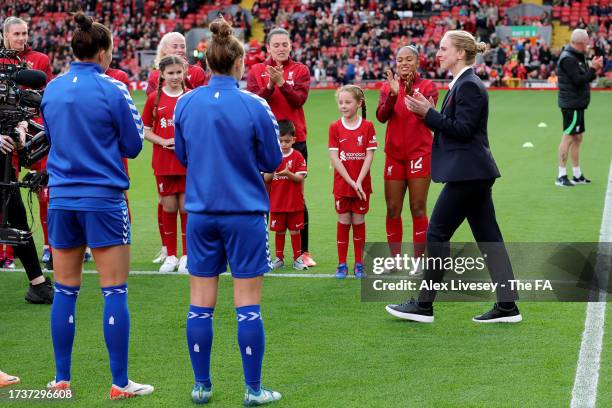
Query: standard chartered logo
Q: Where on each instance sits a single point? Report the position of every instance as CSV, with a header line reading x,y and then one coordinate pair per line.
x,y
344,156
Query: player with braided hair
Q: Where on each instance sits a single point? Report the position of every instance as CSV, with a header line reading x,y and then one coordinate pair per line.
x,y
170,176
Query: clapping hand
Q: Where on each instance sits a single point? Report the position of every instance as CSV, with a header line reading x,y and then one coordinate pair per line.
x,y
597,63
393,81
276,75
419,104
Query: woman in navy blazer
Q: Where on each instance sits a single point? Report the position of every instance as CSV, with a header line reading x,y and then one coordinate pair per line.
x,y
461,158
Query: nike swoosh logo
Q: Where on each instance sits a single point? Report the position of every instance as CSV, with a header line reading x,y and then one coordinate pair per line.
x,y
420,233
342,140
414,171
161,108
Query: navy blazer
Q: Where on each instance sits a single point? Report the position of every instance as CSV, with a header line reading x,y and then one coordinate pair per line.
x,y
460,148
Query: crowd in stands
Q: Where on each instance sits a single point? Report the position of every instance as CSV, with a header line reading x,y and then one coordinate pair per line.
x,y
340,40
135,24
355,40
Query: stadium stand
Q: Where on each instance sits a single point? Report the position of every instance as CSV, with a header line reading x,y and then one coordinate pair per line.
x,y
341,41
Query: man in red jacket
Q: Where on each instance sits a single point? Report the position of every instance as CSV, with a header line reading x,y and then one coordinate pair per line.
x,y
284,84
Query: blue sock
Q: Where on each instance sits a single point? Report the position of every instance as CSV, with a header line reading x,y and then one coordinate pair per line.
x,y
117,331
62,328
199,341
252,342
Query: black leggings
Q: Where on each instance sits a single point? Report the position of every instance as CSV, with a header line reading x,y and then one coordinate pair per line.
x,y
18,219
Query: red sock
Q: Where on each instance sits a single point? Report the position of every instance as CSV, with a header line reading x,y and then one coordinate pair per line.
x,y
296,244
343,241
160,222
44,205
419,234
359,234
279,240
9,252
184,232
394,235
169,220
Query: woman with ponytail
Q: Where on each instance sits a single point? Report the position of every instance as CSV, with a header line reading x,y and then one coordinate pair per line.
x,y
352,142
462,160
158,119
407,149
87,206
226,138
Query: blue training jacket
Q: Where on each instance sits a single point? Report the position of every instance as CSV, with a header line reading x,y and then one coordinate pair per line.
x,y
225,137
91,123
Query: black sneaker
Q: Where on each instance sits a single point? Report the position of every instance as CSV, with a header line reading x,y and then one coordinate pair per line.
x,y
40,294
563,181
581,180
499,315
411,311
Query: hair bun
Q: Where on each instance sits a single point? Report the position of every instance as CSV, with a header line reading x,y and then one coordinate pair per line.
x,y
481,47
84,22
221,30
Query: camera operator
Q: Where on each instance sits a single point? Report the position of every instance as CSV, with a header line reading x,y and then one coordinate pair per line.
x,y
41,290
15,33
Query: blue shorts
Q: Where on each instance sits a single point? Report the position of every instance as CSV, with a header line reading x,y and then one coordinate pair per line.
x,y
69,228
214,240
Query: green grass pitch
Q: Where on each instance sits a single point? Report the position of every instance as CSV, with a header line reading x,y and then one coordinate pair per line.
x,y
325,348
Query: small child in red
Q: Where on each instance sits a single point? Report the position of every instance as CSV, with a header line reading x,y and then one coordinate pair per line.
x,y
287,197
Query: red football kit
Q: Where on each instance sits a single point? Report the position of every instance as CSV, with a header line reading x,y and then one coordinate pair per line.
x,y
169,172
352,145
407,140
286,196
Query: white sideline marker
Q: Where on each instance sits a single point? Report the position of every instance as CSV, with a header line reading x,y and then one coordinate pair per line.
x,y
584,393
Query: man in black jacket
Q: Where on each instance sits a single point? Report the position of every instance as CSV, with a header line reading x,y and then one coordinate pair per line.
x,y
574,96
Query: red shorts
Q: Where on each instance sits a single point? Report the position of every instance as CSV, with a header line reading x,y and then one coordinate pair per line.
x,y
170,185
282,221
407,169
351,204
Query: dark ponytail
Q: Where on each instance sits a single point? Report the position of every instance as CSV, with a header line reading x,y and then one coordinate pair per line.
x,y
224,47
89,38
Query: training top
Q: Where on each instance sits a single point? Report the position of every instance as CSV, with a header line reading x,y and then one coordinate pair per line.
x,y
287,102
352,144
225,137
287,195
91,123
407,136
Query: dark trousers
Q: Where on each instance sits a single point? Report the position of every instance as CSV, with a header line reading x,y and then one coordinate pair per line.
x,y
18,219
472,200
301,147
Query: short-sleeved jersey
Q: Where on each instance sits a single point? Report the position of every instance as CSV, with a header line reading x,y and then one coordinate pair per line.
x,y
164,160
352,145
287,195
195,77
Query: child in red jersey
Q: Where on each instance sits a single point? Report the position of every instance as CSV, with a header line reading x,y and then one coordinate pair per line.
x,y
158,119
287,197
352,142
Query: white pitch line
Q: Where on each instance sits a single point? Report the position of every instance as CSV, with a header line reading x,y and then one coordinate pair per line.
x,y
584,393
